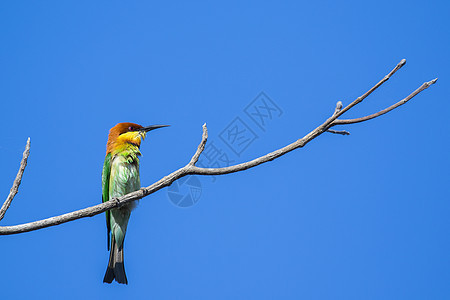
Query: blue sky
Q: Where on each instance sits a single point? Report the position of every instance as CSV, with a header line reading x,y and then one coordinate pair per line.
x,y
363,216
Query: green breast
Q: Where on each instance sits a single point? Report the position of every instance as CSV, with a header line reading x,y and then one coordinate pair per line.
x,y
124,176
124,179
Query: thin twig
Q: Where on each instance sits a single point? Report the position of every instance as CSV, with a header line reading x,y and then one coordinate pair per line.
x,y
190,168
364,96
342,132
386,110
16,184
200,147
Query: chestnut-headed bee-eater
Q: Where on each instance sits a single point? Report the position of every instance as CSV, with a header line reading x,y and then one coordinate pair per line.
x,y
120,176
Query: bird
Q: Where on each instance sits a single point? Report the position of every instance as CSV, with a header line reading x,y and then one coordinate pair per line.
x,y
120,176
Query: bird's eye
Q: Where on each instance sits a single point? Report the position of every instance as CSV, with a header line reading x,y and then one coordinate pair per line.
x,y
130,128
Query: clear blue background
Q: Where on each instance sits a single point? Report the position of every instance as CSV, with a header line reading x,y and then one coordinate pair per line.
x,y
364,216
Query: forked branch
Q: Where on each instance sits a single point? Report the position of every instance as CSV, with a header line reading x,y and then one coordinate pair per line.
x,y
192,169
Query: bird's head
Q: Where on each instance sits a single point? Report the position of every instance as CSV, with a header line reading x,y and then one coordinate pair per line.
x,y
124,134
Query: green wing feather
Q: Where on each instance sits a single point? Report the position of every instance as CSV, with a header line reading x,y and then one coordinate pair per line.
x,y
106,173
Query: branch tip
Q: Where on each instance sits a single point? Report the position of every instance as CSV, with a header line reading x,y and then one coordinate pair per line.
x,y
200,147
397,67
17,181
338,107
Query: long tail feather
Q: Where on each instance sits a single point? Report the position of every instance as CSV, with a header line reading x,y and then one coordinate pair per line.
x,y
119,268
116,268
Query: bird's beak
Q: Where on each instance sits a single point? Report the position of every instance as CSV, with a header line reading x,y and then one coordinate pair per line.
x,y
151,127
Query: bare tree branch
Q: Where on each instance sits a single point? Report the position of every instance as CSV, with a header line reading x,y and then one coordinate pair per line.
x,y
17,181
192,169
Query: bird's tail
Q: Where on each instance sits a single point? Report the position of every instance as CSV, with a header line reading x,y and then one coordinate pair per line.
x,y
116,268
